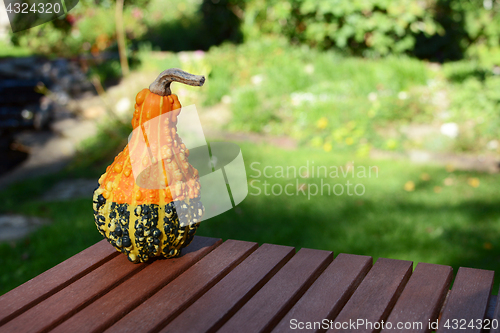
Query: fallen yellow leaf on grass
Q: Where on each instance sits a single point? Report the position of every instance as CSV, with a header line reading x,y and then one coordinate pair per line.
x,y
448,181
409,186
437,189
450,168
327,147
473,181
322,123
425,177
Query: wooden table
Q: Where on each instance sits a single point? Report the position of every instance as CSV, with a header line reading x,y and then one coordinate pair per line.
x,y
237,286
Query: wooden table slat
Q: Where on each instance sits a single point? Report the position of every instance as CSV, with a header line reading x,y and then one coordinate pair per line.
x,y
421,299
128,295
492,304
468,300
51,281
264,310
375,296
328,294
74,297
218,304
172,299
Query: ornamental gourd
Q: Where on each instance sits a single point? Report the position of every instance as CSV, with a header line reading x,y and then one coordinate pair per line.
x,y
138,218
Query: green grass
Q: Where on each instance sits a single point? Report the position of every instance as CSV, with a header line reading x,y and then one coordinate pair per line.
x,y
9,50
458,226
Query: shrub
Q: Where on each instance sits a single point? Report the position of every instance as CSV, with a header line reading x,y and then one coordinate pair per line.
x,y
87,28
376,27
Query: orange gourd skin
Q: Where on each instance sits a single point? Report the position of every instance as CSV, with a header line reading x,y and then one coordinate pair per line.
x,y
146,222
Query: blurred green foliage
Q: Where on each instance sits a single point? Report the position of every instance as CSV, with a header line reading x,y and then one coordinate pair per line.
x,y
475,103
438,30
327,100
376,27
435,29
89,27
319,98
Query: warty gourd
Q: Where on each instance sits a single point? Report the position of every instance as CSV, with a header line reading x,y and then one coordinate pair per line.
x,y
150,221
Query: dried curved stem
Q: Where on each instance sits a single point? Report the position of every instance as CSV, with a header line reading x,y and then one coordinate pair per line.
x,y
161,86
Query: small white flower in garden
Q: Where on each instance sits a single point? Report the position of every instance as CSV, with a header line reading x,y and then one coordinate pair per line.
x,y
431,83
496,70
122,106
402,95
299,97
183,57
309,69
226,99
493,145
198,55
372,97
444,115
450,130
257,79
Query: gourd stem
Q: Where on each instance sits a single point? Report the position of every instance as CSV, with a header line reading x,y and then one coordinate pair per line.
x,y
161,86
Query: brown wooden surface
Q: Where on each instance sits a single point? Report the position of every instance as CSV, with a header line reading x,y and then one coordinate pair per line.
x,y
239,287
264,310
162,307
212,309
77,295
128,295
468,300
376,295
329,293
421,299
48,283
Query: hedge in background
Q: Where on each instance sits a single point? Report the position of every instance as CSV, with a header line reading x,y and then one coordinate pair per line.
x,y
361,27
433,29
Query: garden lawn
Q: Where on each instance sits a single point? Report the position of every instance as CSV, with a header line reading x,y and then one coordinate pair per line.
x,y
337,103
406,212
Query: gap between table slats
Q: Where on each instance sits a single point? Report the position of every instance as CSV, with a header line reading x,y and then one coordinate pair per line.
x,y
27,295
264,310
122,299
328,294
219,303
492,304
375,296
421,299
496,315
